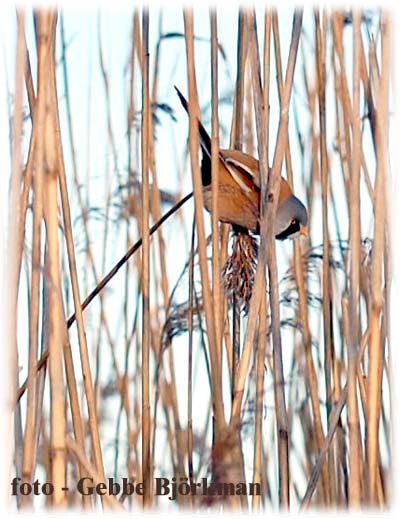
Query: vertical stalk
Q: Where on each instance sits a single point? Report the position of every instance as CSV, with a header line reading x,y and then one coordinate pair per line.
x,y
272,188
376,352
216,266
258,468
28,468
301,281
13,258
146,114
267,253
326,284
237,142
217,397
352,401
263,325
241,64
48,160
83,346
190,358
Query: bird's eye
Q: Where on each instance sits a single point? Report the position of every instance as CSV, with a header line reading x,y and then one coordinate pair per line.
x,y
292,228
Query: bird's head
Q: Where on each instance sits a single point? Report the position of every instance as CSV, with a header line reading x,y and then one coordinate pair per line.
x,y
291,219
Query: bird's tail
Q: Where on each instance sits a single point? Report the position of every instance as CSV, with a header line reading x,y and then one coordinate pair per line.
x,y
205,139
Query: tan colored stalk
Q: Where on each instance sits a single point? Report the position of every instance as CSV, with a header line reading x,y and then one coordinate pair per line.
x,y
335,416
27,181
301,286
258,468
267,72
344,102
77,421
157,58
268,216
83,208
352,401
262,331
30,89
343,95
237,143
190,360
376,351
243,37
77,452
29,456
156,211
28,462
272,190
83,347
321,31
14,253
125,404
217,397
216,265
48,160
146,114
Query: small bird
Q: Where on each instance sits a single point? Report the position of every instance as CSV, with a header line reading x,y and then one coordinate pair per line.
x,y
239,191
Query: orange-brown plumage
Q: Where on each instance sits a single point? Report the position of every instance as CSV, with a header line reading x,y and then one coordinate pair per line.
x,y
239,190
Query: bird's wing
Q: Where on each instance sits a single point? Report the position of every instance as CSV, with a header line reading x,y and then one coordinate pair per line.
x,y
245,170
228,157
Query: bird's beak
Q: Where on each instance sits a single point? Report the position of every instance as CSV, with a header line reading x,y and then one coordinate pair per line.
x,y
304,231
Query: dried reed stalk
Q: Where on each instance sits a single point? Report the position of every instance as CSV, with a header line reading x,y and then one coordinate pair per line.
x,y
38,182
355,453
77,452
145,369
262,332
190,360
216,266
258,443
15,250
47,162
237,143
218,404
272,188
312,380
376,352
83,346
321,29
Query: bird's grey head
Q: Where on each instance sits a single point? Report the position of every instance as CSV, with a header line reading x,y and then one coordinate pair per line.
x,y
291,218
